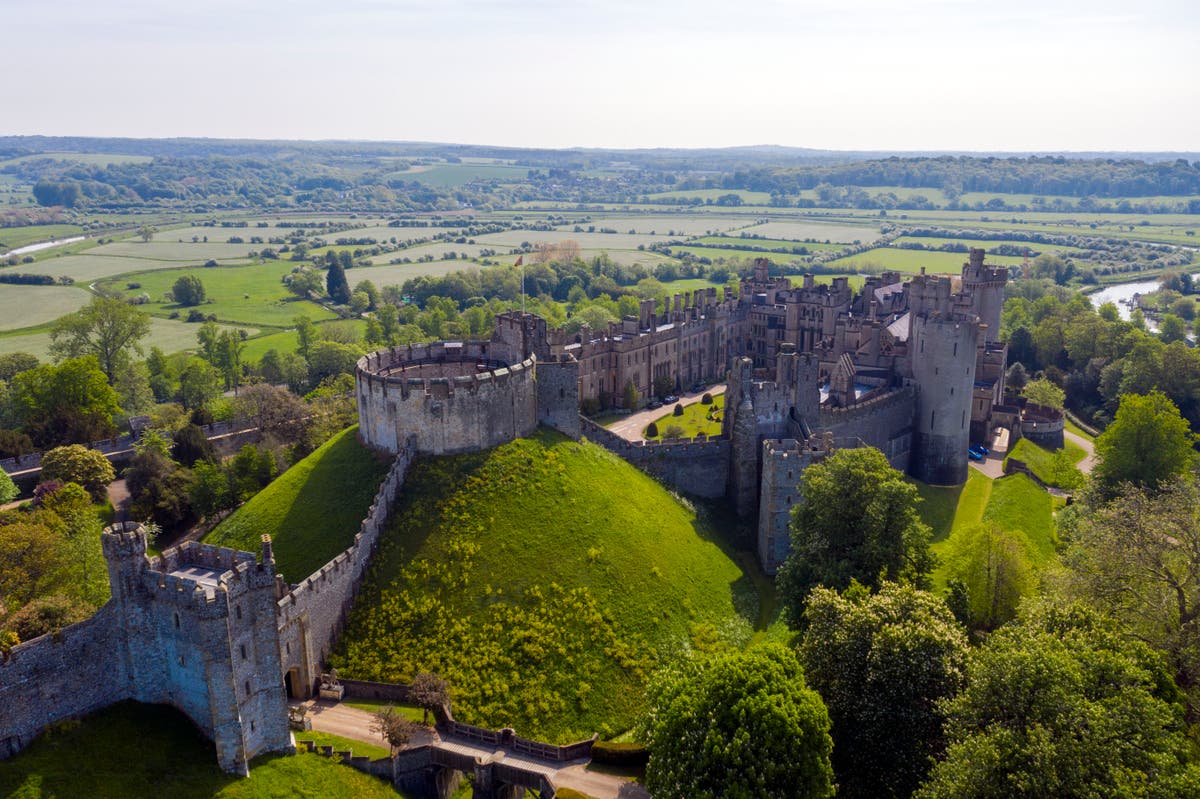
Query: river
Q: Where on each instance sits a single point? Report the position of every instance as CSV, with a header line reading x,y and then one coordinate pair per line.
x,y
1121,294
44,245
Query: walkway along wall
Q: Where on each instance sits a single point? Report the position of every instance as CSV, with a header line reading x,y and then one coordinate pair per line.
x,y
312,613
697,466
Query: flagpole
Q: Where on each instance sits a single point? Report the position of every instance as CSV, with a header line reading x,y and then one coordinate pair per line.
x,y
521,263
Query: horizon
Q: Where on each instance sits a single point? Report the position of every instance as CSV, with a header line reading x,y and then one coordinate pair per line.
x,y
936,76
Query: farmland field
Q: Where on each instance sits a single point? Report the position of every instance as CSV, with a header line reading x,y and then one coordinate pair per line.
x,y
26,306
97,159
932,241
683,224
913,260
835,232
246,294
723,254
14,237
176,251
588,241
169,335
748,241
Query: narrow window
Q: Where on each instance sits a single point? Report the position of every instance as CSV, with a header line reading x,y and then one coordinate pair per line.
x,y
176,621
237,611
956,348
932,416
243,649
247,689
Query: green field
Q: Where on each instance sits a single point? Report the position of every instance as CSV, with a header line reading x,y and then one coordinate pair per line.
x,y
96,159
898,260
744,241
687,223
27,306
134,751
312,511
1014,503
819,230
987,244
544,579
169,335
247,294
13,237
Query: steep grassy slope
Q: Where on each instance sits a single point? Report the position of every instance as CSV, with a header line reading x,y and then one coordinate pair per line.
x,y
312,511
133,751
544,579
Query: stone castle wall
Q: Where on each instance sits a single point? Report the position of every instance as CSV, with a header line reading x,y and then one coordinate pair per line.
x,y
311,614
883,422
447,396
697,466
193,628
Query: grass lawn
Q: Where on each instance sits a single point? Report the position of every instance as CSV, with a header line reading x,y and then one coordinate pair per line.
x,y
134,751
697,418
312,511
372,705
247,294
357,748
1079,431
1050,467
1013,503
544,579
788,244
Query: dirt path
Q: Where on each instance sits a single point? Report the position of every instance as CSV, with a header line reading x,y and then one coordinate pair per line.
x,y
118,495
630,428
1089,462
350,722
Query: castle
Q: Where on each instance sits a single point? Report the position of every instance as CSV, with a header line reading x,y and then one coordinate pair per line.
x,y
909,367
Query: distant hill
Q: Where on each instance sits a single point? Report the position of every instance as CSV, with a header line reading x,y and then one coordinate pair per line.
x,y
544,579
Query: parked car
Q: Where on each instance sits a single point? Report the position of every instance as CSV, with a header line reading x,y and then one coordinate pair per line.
x,y
973,455
654,405
670,398
979,450
696,388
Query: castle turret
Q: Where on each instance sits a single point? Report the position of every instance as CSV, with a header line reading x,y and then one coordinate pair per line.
x,y
943,366
985,285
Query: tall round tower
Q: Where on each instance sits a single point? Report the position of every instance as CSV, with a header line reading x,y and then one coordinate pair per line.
x,y
943,366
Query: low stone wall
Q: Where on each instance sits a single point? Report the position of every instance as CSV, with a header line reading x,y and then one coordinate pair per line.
x,y
1043,426
883,422
697,466
311,614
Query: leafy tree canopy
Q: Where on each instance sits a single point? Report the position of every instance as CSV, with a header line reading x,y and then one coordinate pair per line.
x,y
882,662
1147,444
1060,704
738,725
105,328
858,520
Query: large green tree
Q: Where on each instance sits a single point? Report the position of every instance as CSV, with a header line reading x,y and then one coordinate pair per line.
x,y
1147,444
336,283
857,519
1137,558
106,328
76,463
737,725
1060,705
882,662
188,290
67,403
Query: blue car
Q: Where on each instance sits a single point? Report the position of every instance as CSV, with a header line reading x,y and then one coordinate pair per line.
x,y
979,449
973,455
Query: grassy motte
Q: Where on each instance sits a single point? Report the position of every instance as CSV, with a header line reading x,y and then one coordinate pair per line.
x,y
356,748
544,579
133,751
312,511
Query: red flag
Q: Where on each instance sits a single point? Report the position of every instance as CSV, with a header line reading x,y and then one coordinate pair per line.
x,y
520,260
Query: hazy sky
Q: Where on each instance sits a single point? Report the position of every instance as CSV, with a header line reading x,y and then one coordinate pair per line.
x,y
840,74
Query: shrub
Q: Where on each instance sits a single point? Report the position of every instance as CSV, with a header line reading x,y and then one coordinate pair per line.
x,y
678,410
614,753
195,315
673,432
652,430
78,464
706,399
